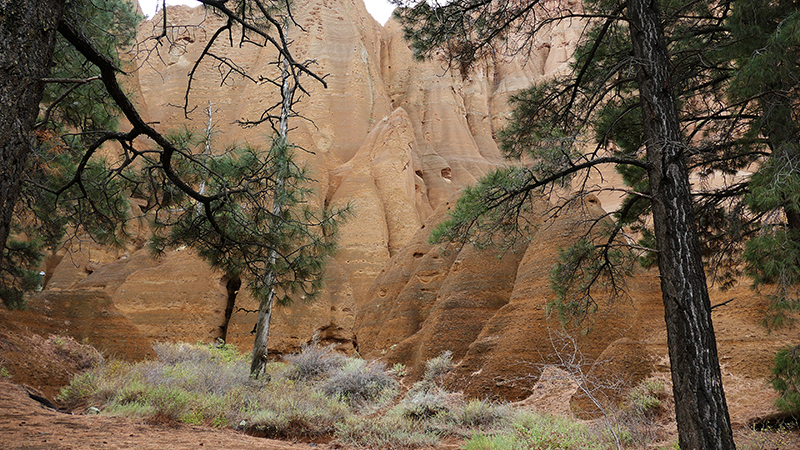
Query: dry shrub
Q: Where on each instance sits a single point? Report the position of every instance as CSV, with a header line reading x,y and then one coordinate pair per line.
x,y
361,383
313,363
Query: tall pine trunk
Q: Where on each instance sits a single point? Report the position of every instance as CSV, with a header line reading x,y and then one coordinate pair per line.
x,y
27,37
260,349
700,407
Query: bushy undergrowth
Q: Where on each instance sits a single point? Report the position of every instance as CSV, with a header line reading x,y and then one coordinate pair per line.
x,y
209,385
539,431
786,378
316,393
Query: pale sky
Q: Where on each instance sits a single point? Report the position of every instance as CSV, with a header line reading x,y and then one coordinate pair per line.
x,y
381,10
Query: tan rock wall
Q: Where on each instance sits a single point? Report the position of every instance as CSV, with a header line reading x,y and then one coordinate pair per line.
x,y
390,136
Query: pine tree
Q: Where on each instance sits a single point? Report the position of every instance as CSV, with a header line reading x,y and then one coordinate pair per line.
x,y
766,41
243,208
648,85
74,108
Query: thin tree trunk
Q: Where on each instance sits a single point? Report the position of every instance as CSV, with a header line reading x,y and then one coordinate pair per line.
x,y
700,407
27,37
260,349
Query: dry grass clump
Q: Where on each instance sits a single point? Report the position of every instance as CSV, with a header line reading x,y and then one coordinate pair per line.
x,y
68,351
780,437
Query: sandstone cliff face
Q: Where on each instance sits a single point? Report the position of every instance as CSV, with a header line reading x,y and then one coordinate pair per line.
x,y
490,308
397,139
392,137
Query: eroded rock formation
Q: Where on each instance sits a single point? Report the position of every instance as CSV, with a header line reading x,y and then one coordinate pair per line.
x,y
391,136
397,139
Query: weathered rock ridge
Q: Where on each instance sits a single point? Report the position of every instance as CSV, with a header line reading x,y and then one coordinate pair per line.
x,y
397,139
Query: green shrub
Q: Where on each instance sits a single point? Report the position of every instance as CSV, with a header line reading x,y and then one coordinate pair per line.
x,y
482,414
786,378
439,367
190,383
493,442
545,431
428,398
316,393
398,370
169,403
292,410
79,389
172,353
646,397
430,406
423,405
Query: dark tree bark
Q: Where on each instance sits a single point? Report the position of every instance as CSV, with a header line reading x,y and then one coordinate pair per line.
x,y
27,37
700,407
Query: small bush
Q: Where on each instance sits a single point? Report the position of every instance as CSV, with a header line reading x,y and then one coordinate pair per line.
x,y
359,382
78,391
398,370
646,397
439,367
317,393
286,410
482,414
313,363
191,384
425,404
171,404
173,353
493,442
80,356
